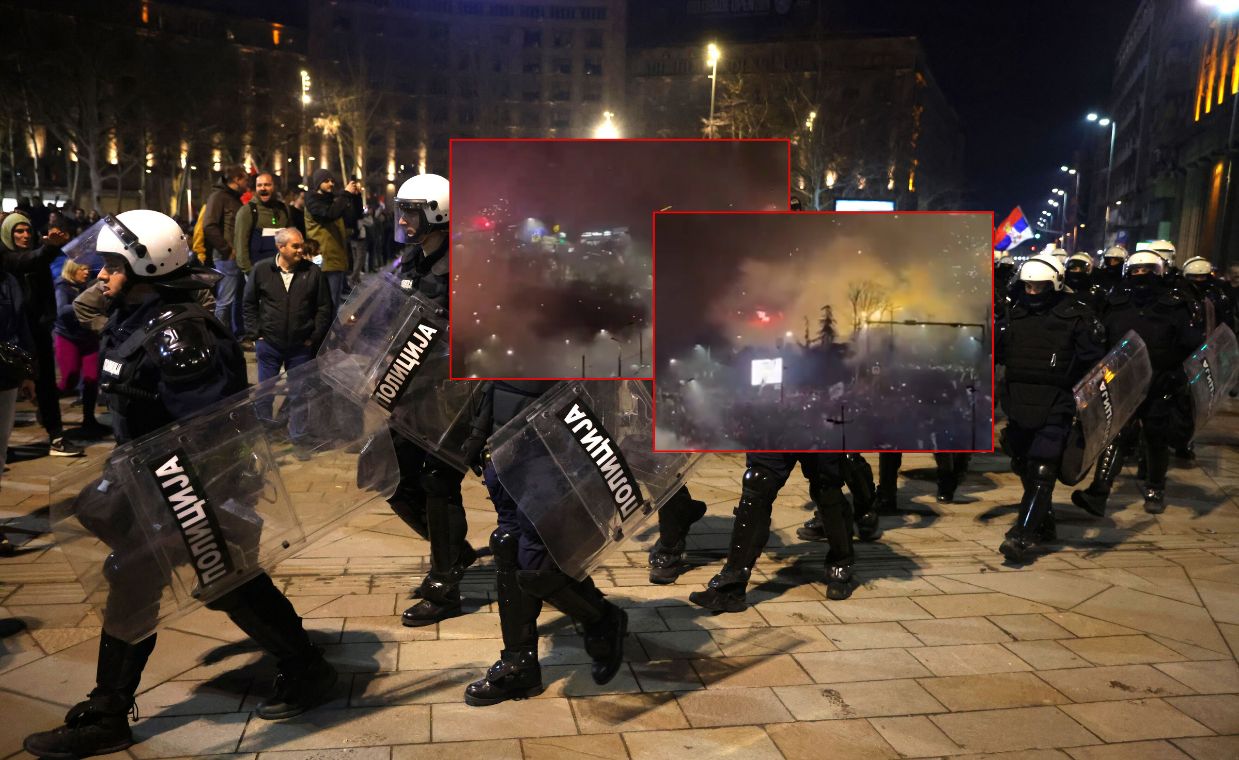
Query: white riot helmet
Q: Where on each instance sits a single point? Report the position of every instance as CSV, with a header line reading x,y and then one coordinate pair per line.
x,y
1197,267
153,248
1081,257
1115,252
1043,267
1163,248
423,203
1145,258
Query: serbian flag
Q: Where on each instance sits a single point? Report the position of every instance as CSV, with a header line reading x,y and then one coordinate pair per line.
x,y
1013,231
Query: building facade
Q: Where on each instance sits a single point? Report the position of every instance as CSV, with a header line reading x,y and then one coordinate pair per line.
x,y
1173,100
439,69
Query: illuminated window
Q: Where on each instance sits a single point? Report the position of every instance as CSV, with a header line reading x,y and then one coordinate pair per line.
x,y
275,34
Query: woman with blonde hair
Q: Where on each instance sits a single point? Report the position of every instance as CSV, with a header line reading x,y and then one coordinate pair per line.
x,y
76,346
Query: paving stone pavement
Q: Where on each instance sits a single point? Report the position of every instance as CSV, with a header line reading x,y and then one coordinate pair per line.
x,y
1118,643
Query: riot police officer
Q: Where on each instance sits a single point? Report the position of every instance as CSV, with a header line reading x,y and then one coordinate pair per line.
x,y
1110,273
428,497
1199,275
1079,278
764,476
164,359
1164,319
1047,343
526,575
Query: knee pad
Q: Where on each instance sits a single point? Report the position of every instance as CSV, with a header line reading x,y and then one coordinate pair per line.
x,y
1043,471
760,485
504,545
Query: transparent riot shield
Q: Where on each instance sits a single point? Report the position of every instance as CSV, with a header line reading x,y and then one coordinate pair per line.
x,y
1211,372
1105,398
393,352
190,512
580,464
365,327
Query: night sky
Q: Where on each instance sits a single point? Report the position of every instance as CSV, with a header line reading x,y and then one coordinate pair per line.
x,y
1021,76
709,267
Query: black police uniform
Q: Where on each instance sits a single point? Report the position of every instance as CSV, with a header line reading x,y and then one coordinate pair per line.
x,y
764,476
526,575
165,358
1047,344
428,497
1086,288
1167,322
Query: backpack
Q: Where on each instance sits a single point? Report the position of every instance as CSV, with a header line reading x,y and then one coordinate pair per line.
x,y
198,245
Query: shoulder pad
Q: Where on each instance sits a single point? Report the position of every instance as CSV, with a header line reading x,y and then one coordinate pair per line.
x,y
441,266
182,349
177,312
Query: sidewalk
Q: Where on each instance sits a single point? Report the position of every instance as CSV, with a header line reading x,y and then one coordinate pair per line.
x,y
1120,643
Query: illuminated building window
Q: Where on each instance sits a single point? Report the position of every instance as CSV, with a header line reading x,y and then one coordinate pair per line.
x,y
276,29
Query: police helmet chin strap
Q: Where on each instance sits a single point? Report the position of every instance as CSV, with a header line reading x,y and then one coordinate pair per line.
x,y
125,235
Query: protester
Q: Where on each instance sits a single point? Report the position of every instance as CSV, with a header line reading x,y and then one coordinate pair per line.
x,y
16,349
329,215
20,256
218,223
76,347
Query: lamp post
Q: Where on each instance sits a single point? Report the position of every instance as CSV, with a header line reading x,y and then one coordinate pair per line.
x,y
1105,121
712,56
1075,233
606,130
301,136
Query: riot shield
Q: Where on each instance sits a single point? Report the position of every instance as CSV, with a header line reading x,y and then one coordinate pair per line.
x,y
1105,399
393,352
184,515
580,463
365,327
1211,372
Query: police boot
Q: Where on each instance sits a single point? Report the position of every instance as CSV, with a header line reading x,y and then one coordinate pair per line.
x,y
605,625
450,556
946,478
304,679
1186,453
517,674
749,533
1158,458
859,478
1036,505
812,529
835,513
99,725
1093,499
888,480
674,520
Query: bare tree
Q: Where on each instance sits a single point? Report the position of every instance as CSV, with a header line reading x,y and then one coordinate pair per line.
x,y
865,297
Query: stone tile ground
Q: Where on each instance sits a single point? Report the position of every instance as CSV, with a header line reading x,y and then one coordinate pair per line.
x,y
1119,643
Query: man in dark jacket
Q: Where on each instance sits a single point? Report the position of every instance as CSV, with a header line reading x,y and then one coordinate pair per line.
x,y
257,222
218,225
31,265
287,313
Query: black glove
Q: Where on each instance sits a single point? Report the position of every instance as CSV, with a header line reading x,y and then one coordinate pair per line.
x,y
473,447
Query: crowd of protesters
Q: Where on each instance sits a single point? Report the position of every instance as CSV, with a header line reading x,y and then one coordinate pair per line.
x,y
53,308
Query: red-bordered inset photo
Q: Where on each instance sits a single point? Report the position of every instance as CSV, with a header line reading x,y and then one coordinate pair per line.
x,y
824,331
552,245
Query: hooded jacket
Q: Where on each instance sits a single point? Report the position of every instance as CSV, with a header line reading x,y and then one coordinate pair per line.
x,y
32,267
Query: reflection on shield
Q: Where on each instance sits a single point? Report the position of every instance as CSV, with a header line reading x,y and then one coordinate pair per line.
x,y
1105,398
182,516
389,348
580,464
1211,372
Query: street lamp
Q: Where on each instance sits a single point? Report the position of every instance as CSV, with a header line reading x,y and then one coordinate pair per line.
x,y
1103,122
712,56
1075,243
607,129
301,137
